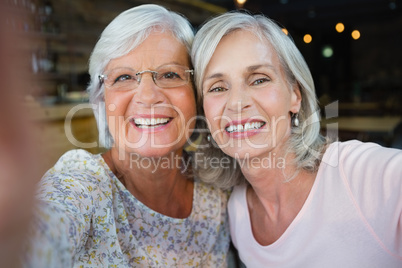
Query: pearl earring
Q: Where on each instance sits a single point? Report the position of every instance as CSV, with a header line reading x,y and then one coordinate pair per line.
x,y
295,120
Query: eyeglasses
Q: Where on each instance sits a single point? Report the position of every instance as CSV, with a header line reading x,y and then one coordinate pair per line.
x,y
166,76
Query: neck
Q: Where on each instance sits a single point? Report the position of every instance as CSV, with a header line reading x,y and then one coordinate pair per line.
x,y
277,194
275,179
274,203
155,181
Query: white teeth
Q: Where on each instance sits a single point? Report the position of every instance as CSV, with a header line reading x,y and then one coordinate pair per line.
x,y
246,127
150,122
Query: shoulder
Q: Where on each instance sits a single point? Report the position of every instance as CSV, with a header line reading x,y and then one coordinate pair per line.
x,y
369,176
372,175
77,163
355,154
76,169
75,160
359,164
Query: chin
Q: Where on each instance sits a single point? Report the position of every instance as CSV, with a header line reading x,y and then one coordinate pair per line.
x,y
238,154
244,152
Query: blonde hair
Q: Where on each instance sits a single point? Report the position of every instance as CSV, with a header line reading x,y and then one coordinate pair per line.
x,y
305,142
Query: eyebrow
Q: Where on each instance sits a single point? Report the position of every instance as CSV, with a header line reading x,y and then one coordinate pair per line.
x,y
258,66
175,63
118,68
165,64
249,69
215,75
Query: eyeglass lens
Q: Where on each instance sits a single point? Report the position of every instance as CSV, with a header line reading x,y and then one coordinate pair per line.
x,y
165,77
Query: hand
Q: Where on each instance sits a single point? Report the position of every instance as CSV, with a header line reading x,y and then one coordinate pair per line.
x,y
17,169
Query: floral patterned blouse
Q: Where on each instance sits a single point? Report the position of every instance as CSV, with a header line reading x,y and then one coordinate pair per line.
x,y
87,218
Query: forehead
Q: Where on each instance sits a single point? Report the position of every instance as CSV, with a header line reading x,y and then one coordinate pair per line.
x,y
157,49
243,45
239,50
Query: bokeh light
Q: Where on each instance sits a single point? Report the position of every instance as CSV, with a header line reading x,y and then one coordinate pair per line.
x,y
307,38
339,27
355,34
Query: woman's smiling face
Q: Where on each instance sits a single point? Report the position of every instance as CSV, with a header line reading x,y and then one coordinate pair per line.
x,y
246,96
146,118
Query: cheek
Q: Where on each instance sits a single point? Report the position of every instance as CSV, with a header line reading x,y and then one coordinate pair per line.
x,y
211,110
274,103
117,104
277,111
116,113
184,104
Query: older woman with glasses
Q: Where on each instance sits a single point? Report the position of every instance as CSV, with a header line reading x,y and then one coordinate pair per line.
x,y
137,204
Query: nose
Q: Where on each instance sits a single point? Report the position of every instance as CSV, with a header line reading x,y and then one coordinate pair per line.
x,y
148,93
238,99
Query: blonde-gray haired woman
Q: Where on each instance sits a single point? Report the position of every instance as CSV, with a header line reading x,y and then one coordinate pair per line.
x,y
306,202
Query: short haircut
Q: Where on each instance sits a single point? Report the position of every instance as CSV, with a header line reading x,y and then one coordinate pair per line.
x,y
126,32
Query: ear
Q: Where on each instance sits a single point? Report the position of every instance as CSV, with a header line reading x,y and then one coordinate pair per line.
x,y
296,99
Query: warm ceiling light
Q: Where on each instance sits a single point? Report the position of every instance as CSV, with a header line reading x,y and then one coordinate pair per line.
x,y
307,38
339,27
240,3
285,31
355,34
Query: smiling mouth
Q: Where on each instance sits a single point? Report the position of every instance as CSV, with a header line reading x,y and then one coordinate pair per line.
x,y
245,127
151,122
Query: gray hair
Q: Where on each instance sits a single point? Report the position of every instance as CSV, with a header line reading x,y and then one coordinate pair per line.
x,y
126,32
305,142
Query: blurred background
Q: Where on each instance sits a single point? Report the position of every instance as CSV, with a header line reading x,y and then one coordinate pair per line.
x,y
353,48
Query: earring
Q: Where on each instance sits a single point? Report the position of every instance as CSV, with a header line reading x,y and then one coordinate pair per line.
x,y
295,120
209,137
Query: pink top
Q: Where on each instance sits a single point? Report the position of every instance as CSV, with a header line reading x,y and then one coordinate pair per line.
x,y
351,218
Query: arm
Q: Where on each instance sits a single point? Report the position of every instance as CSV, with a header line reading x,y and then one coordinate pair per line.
x,y
374,177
